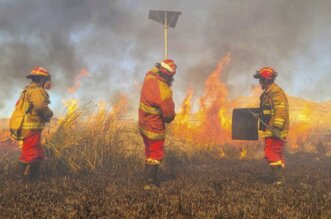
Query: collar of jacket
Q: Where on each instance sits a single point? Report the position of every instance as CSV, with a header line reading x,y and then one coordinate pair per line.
x,y
271,87
155,72
34,84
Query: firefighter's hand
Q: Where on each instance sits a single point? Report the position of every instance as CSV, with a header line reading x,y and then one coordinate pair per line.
x,y
168,119
277,132
255,115
46,119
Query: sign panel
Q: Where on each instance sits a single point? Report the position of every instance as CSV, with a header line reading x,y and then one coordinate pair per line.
x,y
159,16
244,124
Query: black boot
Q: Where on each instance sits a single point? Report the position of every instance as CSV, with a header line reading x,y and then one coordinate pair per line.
x,y
34,168
279,174
21,171
150,174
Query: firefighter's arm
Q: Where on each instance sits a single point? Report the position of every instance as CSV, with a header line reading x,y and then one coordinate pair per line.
x,y
280,107
39,101
168,110
48,114
167,105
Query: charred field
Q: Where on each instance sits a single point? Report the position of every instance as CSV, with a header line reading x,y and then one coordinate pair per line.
x,y
195,186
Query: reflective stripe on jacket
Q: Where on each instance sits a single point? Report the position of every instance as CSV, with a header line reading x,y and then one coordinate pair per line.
x,y
156,106
37,113
274,110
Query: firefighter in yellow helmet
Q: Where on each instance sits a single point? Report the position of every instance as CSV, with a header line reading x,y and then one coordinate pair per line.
x,y
274,112
28,120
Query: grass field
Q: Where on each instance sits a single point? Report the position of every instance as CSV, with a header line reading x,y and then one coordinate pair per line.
x,y
192,187
94,169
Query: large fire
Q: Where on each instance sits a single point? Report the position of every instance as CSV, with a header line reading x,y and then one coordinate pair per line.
x,y
210,124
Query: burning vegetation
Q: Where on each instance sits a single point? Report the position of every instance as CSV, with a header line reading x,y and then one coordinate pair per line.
x,y
211,123
95,157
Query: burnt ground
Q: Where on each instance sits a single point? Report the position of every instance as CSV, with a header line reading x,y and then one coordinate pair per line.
x,y
203,187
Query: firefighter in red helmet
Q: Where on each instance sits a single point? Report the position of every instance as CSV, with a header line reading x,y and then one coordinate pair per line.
x,y
28,120
156,108
274,112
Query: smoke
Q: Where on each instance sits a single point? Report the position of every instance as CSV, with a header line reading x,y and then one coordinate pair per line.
x,y
117,43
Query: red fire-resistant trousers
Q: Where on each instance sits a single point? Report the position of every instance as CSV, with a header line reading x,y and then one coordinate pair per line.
x,y
154,148
273,151
32,149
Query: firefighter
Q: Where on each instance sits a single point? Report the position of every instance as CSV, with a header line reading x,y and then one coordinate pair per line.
x,y
156,108
274,112
28,120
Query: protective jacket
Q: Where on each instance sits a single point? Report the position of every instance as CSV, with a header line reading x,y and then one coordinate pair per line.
x,y
156,106
274,111
31,111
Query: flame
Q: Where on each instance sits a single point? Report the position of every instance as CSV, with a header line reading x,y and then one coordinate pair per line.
x,y
120,107
243,153
4,136
206,120
83,73
307,120
71,105
211,124
71,114
183,117
105,111
221,153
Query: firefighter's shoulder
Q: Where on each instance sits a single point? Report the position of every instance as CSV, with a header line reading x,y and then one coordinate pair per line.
x,y
35,89
151,74
278,95
277,90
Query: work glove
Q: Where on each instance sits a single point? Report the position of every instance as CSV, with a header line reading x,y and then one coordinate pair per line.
x,y
277,132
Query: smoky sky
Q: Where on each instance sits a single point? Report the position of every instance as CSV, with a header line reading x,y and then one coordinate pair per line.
x,y
117,43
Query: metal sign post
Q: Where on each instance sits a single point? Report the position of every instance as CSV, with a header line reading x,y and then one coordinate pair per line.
x,y
165,36
168,19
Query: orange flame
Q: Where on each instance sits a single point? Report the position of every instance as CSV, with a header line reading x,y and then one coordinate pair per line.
x,y
120,107
243,153
211,124
83,73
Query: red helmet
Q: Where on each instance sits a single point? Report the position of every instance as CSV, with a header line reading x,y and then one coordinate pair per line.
x,y
266,73
38,71
167,67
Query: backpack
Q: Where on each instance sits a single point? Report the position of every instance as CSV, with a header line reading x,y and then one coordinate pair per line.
x,y
19,116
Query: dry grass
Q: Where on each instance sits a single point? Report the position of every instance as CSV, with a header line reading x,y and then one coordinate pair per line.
x,y
85,141
94,170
